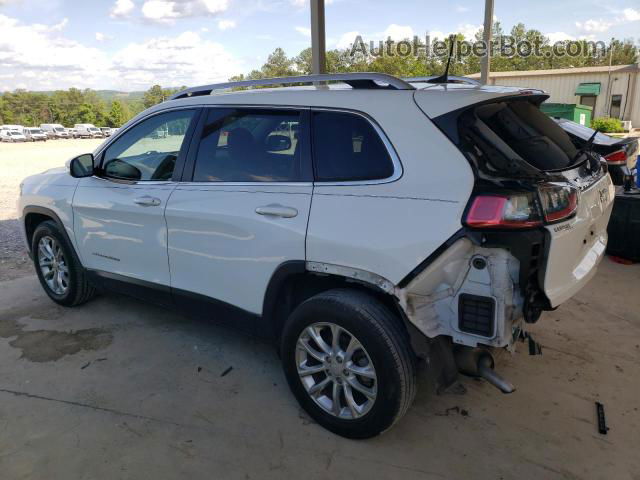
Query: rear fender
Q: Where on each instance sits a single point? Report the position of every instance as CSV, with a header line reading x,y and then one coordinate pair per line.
x,y
429,301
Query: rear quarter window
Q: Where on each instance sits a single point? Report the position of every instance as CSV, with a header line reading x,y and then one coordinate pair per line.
x,y
346,147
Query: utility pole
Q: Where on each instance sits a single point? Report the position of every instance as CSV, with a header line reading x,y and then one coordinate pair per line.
x,y
608,93
485,63
318,44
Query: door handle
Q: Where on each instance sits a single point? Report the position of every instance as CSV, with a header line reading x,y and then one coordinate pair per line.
x,y
147,201
277,211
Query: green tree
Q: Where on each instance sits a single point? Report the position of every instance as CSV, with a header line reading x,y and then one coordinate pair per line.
x,y
117,114
153,96
157,94
85,114
278,65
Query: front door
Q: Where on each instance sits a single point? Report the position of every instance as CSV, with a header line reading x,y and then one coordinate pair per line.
x,y
244,209
119,214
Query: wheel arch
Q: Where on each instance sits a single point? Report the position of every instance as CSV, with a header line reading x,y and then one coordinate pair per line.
x,y
293,282
33,216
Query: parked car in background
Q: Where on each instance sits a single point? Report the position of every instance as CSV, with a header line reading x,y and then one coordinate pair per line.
x,y
34,134
620,153
54,130
72,132
106,131
405,223
12,136
87,130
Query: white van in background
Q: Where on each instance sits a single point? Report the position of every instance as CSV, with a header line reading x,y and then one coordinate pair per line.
x,y
14,128
87,130
54,130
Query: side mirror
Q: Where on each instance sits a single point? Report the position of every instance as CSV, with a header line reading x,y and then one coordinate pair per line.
x,y
278,143
120,170
82,166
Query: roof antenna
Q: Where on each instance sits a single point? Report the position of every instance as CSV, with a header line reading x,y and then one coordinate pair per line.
x,y
444,78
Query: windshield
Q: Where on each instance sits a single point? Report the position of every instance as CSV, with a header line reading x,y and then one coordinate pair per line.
x,y
58,129
93,130
35,130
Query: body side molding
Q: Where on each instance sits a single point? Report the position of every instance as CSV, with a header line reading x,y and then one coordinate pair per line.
x,y
353,273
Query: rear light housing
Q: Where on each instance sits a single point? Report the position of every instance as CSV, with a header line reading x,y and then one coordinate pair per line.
x,y
503,211
558,201
616,158
553,203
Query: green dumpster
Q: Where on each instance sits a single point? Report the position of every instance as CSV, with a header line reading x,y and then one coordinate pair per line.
x,y
571,111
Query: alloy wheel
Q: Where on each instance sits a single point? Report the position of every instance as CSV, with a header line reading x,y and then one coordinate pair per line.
x,y
336,370
53,265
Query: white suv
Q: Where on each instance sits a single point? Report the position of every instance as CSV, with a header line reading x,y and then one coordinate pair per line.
x,y
365,225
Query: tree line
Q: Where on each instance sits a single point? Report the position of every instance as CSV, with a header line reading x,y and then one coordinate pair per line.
x,y
87,106
72,106
391,60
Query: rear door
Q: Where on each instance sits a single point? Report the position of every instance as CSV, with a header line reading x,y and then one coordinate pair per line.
x,y
243,207
119,216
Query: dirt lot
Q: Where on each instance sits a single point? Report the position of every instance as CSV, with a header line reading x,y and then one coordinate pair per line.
x,y
121,389
17,161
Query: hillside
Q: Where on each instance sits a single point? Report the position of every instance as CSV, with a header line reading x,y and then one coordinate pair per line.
x,y
106,95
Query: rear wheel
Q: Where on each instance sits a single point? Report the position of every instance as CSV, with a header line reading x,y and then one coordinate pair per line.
x,y
58,268
348,361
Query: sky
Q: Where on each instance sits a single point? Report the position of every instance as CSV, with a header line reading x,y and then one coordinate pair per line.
x,y
130,45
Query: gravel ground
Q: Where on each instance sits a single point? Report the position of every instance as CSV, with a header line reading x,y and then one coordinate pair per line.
x,y
18,161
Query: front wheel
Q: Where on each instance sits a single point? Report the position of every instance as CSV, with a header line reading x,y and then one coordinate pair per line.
x,y
58,268
349,363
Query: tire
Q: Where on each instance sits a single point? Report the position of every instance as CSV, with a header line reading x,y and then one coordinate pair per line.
x,y
78,289
385,348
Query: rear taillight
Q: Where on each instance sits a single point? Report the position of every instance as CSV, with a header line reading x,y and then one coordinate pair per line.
x,y
558,201
616,158
503,211
521,210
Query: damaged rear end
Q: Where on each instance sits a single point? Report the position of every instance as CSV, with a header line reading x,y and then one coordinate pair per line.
x,y
533,232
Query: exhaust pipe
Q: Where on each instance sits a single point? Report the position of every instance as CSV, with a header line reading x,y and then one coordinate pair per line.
x,y
478,362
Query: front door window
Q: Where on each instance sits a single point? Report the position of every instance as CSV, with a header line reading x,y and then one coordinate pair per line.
x,y
149,150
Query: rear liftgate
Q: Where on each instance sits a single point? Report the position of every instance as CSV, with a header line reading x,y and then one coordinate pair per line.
x,y
491,279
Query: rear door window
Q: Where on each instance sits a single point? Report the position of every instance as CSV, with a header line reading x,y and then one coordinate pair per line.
x,y
346,147
250,145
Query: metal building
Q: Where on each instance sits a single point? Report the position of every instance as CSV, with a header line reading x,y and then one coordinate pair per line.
x,y
611,91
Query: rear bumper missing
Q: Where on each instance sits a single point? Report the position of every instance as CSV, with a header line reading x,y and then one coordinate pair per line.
x,y
468,293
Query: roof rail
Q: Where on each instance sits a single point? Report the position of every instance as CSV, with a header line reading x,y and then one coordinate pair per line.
x,y
450,79
355,80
